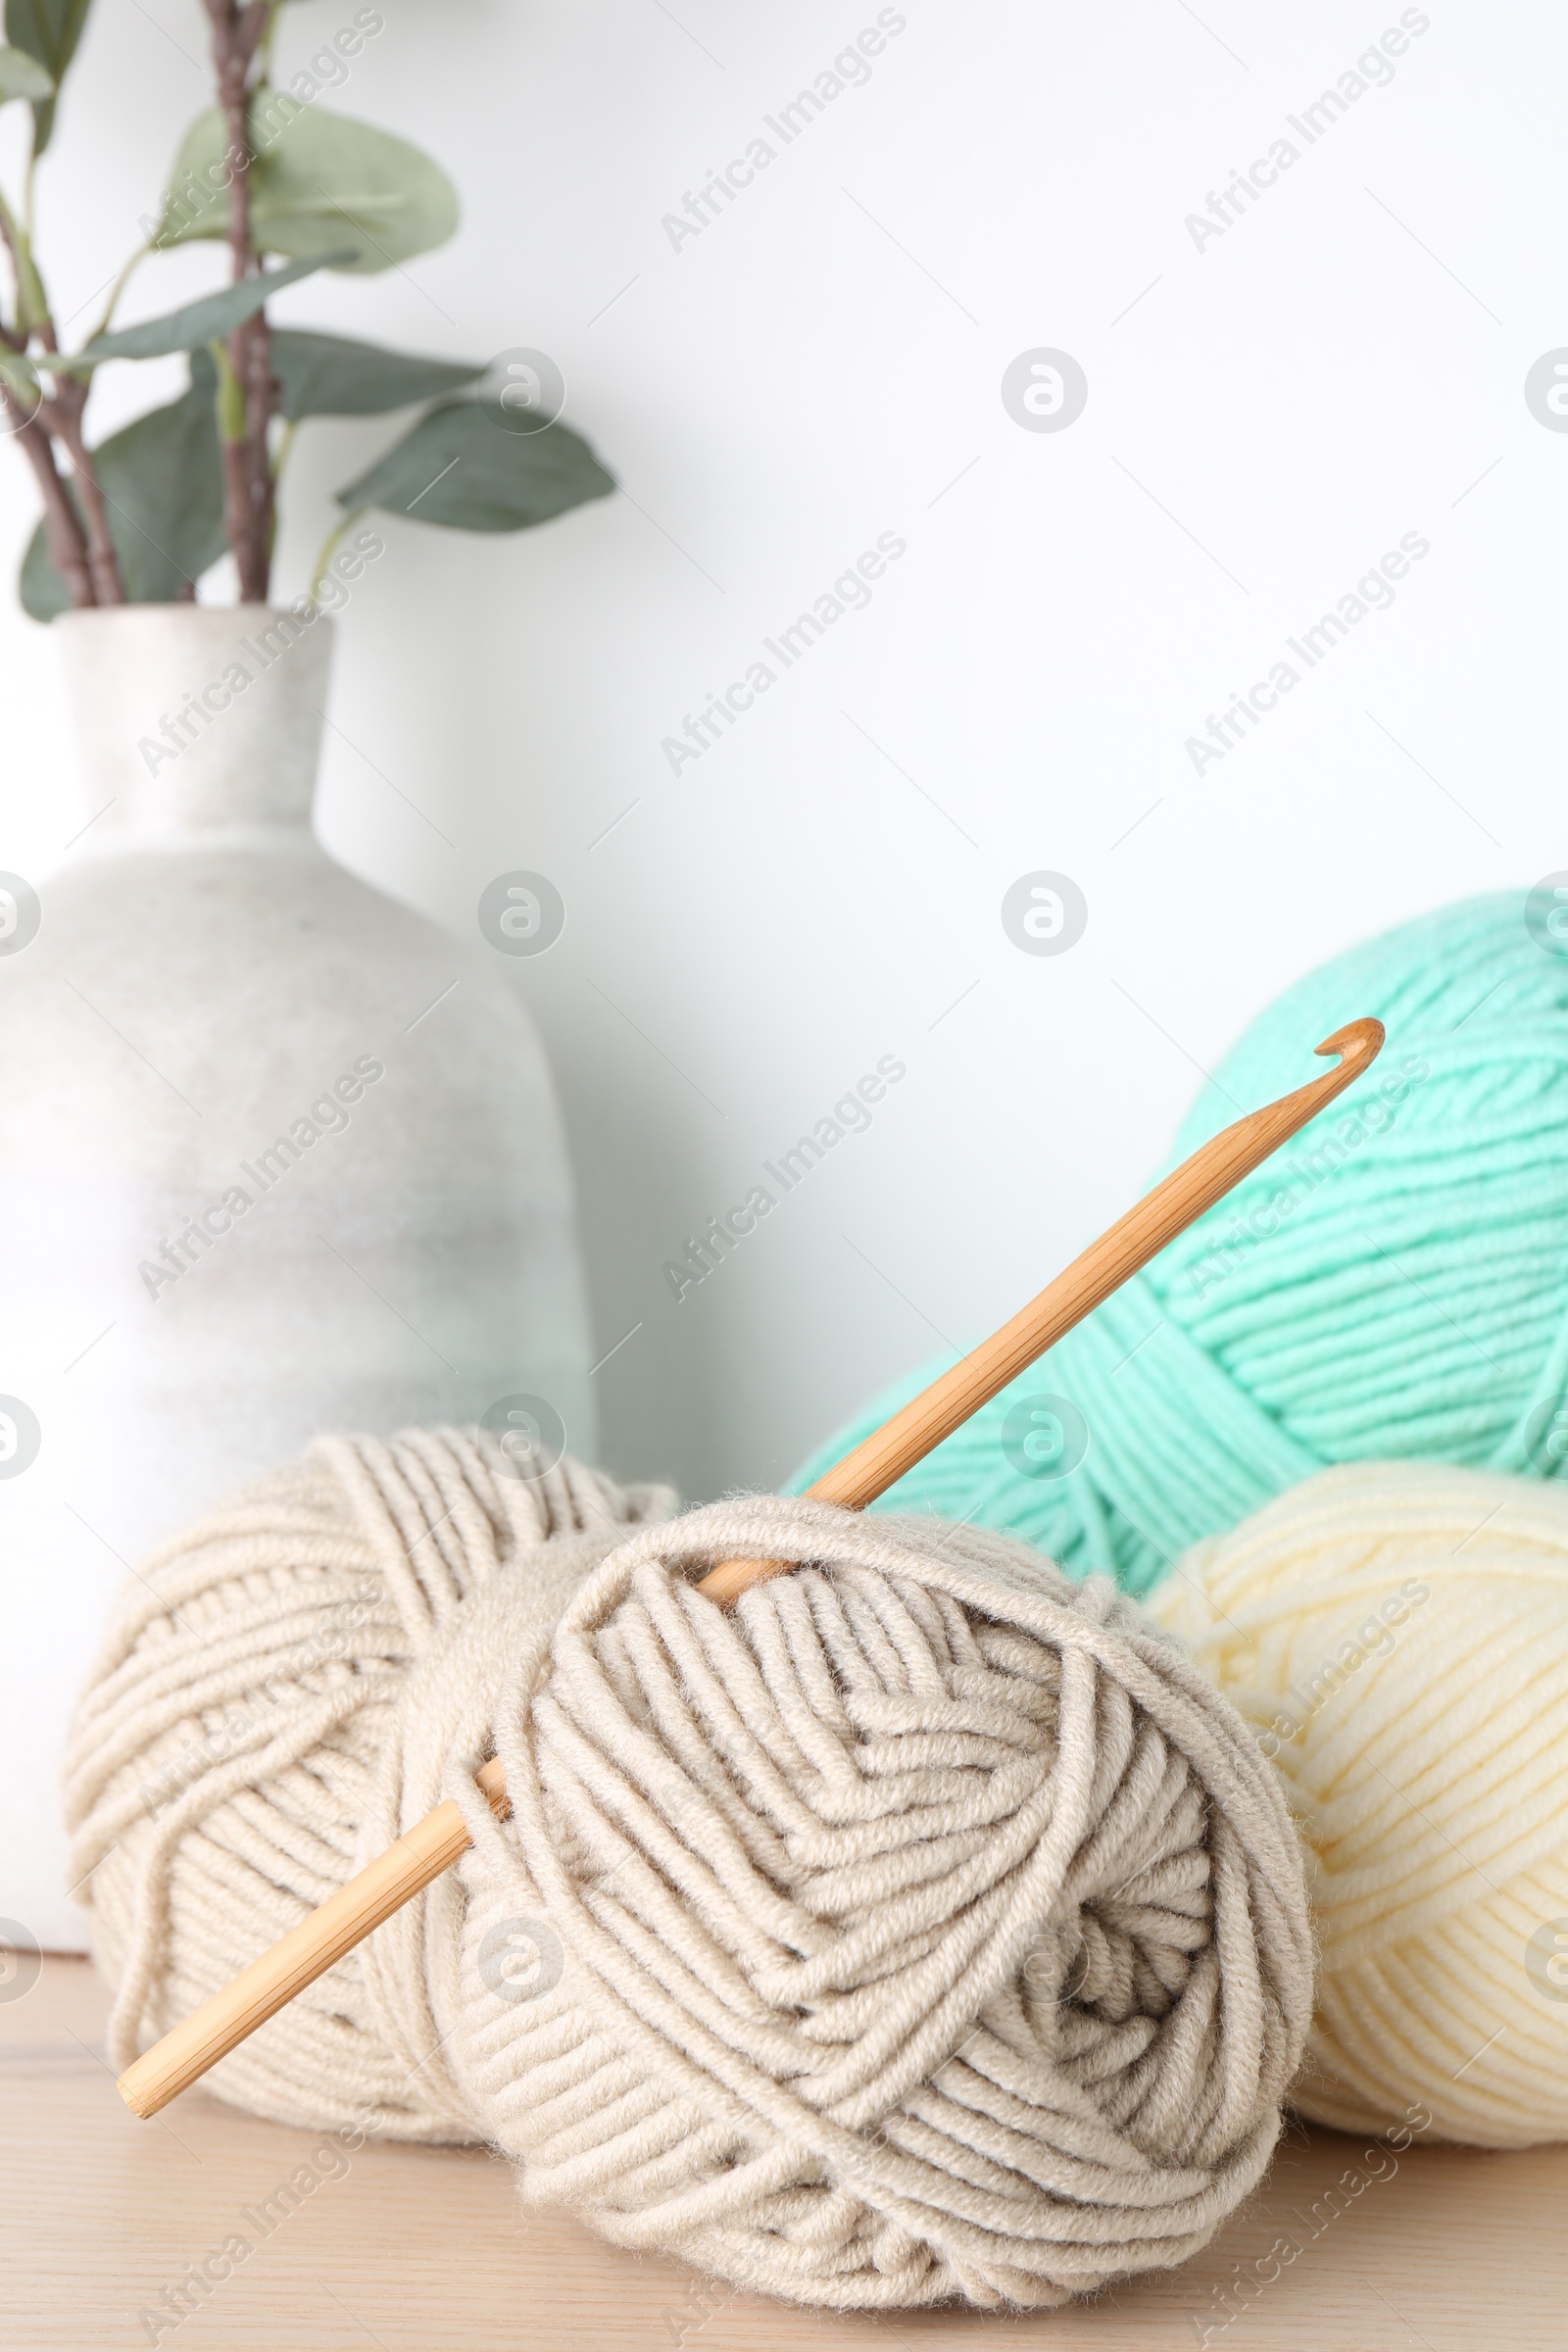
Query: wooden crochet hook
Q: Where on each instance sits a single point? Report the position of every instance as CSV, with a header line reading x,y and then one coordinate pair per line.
x,y
421,1853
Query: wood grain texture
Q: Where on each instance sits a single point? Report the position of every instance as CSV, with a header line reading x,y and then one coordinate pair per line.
x,y
427,2251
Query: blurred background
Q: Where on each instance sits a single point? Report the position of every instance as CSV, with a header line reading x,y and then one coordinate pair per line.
x,y
1274,401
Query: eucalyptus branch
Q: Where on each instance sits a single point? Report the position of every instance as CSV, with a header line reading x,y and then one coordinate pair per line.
x,y
248,500
59,418
170,514
68,543
65,408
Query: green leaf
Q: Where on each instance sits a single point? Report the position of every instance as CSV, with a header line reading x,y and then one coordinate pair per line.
x,y
163,484
459,467
48,31
329,375
318,181
21,76
198,323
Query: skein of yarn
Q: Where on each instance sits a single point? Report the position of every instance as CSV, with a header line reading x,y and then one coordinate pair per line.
x,y
929,1926
276,1699
1398,1635
925,1927
1393,1285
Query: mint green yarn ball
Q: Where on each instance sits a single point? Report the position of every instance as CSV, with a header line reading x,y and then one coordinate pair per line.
x,y
1393,1284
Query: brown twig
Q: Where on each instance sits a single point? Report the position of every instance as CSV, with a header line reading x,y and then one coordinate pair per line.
x,y
80,544
63,415
90,567
238,31
68,542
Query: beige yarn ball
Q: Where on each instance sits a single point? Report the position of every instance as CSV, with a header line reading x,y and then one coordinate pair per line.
x,y
926,1928
1398,1635
276,1699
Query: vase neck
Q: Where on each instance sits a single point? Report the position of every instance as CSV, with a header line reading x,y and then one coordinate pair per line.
x,y
196,723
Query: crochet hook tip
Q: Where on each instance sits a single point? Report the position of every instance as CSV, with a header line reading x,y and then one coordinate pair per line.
x,y
1357,1040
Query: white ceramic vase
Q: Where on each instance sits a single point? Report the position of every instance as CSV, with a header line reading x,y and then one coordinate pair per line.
x,y
276,1156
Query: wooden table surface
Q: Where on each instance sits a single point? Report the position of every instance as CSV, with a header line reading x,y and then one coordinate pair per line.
x,y
427,2251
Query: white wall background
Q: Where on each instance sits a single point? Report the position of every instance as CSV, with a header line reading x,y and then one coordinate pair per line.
x,y
821,364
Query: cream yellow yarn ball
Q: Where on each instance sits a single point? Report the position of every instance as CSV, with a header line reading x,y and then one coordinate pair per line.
x,y
1398,1635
